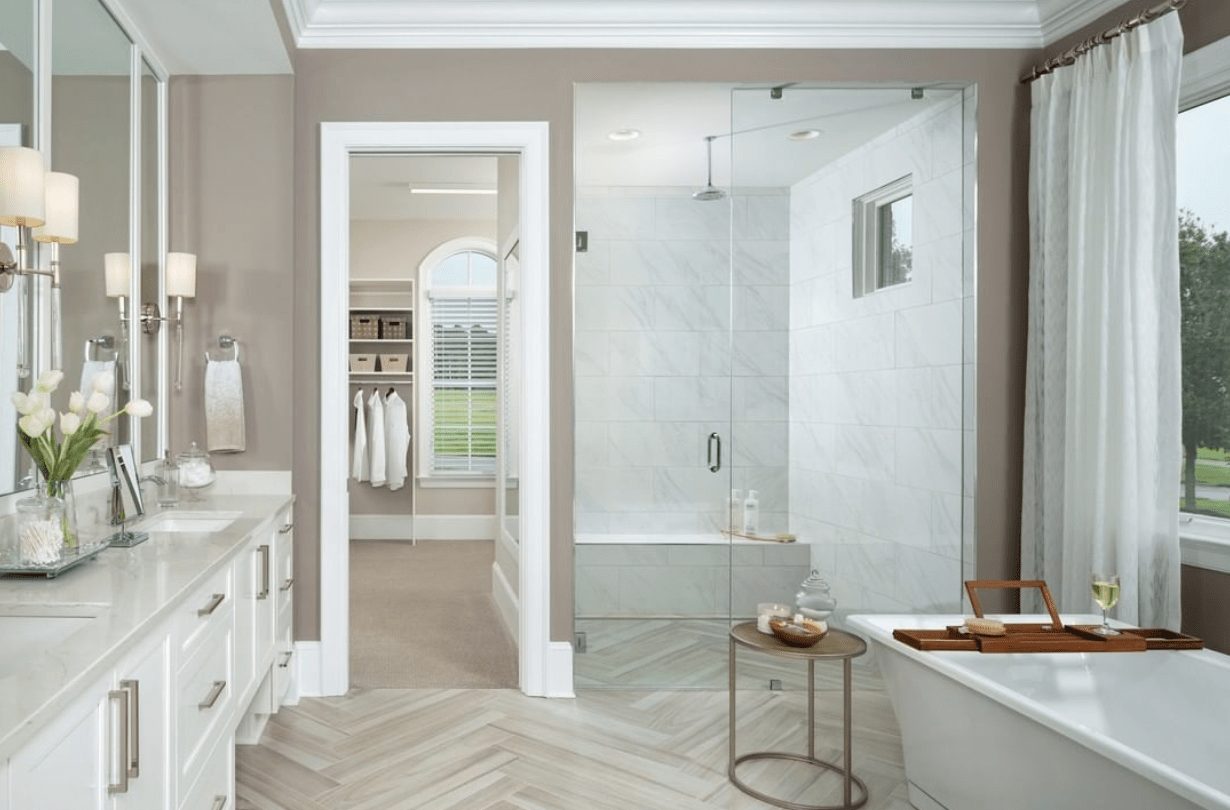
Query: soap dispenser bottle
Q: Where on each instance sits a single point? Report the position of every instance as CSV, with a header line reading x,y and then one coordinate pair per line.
x,y
168,481
736,510
751,513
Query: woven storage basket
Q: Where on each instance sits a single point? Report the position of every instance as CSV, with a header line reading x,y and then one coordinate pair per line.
x,y
393,328
393,362
364,327
362,362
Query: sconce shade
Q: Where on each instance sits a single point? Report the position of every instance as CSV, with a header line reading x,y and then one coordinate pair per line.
x,y
118,267
181,274
21,186
61,210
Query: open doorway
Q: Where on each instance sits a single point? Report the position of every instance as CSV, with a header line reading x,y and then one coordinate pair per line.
x,y
428,330
544,666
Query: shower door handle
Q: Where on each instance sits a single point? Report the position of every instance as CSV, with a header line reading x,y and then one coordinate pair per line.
x,y
715,459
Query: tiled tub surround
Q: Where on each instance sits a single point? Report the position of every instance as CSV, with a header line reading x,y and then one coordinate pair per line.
x,y
876,431
127,591
682,576
658,367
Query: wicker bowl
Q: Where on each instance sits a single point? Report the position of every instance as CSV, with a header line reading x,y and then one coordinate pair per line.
x,y
797,634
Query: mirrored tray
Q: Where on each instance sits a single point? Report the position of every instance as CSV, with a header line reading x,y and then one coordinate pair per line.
x,y
71,559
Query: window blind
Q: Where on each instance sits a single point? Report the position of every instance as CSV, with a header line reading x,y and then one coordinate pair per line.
x,y
464,375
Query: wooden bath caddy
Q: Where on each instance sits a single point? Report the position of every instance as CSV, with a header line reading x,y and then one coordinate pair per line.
x,y
1053,637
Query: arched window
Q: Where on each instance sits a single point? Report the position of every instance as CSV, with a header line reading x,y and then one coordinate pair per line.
x,y
459,396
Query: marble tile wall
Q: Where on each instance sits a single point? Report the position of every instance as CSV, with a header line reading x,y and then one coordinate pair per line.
x,y
676,339
636,580
877,434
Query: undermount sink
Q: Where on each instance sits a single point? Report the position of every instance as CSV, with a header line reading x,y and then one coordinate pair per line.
x,y
189,522
27,631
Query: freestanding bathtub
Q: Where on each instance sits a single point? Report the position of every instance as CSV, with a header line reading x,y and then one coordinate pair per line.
x,y
1027,731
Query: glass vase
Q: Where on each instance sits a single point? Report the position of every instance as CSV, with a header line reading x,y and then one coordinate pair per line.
x,y
63,489
40,529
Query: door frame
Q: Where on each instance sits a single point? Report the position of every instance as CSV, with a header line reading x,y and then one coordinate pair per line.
x,y
544,667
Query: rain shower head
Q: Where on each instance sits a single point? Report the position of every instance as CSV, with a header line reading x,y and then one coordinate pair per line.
x,y
709,192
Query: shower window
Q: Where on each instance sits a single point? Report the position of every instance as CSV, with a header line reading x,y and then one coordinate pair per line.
x,y
883,237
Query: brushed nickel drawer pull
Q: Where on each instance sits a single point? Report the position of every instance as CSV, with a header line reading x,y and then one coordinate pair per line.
x,y
264,591
219,802
134,731
211,605
286,661
121,786
214,693
287,583
286,528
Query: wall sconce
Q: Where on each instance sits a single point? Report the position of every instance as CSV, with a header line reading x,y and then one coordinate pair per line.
x,y
181,284
31,197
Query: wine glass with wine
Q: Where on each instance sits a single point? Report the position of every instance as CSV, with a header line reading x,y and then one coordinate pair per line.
x,y
1106,594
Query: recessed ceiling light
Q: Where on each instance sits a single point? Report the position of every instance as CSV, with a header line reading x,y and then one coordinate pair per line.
x,y
804,135
624,135
452,190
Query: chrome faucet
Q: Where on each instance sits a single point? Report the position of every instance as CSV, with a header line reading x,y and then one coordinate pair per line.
x,y
126,501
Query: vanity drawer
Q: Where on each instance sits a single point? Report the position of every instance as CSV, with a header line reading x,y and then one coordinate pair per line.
x,y
205,698
215,787
212,605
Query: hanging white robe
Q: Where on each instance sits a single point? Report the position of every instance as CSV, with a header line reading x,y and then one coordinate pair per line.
x,y
375,438
360,469
397,439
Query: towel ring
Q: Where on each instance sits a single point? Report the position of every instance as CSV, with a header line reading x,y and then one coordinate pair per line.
x,y
226,342
105,342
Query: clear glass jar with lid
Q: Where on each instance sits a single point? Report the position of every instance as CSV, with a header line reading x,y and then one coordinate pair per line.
x,y
814,599
195,469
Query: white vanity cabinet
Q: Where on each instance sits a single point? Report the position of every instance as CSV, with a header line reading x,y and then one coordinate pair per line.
x,y
108,749
157,729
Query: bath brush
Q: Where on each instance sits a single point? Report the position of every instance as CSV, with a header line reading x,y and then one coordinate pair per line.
x,y
985,627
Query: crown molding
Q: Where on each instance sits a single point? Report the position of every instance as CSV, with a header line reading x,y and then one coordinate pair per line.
x,y
666,23
1060,18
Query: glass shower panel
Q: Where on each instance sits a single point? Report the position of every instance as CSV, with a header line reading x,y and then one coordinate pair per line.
x,y
652,386
851,351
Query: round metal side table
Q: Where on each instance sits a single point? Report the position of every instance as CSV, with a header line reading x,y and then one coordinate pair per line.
x,y
837,645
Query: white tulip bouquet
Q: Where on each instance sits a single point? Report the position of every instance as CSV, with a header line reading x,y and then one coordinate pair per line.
x,y
81,426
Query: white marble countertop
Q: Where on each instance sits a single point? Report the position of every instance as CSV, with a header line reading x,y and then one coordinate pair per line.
x,y
129,591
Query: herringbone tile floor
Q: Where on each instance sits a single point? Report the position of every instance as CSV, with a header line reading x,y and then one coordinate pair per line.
x,y
390,749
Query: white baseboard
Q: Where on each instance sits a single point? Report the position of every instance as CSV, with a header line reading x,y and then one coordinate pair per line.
x,y
505,602
307,681
557,680
422,527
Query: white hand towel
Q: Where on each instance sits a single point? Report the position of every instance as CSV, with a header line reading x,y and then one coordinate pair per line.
x,y
224,424
89,371
375,438
397,439
360,468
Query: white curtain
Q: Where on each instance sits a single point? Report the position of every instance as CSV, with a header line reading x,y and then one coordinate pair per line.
x,y
1102,412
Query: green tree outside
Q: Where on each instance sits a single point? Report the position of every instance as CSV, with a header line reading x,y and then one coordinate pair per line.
x,y
1204,300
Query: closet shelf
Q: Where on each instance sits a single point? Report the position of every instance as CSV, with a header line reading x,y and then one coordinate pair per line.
x,y
367,376
382,340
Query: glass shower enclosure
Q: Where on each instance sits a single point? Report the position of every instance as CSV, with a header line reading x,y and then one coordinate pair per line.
x,y
774,301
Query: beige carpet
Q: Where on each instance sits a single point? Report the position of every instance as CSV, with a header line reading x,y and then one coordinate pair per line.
x,y
422,617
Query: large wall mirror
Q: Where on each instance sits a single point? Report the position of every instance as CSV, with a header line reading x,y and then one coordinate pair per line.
x,y
98,119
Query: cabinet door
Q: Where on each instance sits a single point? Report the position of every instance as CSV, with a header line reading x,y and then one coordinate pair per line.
x,y
145,677
64,767
255,597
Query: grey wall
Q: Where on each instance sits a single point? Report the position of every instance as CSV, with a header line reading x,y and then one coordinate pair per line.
x,y
458,85
258,221
232,189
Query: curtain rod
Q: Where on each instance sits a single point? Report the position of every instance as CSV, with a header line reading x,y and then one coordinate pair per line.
x,y
1070,56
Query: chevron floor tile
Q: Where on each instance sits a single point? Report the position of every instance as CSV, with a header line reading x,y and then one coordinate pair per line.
x,y
607,749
